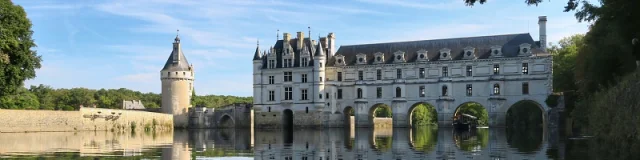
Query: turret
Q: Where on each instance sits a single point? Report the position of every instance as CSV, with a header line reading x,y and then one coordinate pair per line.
x,y
319,61
542,22
257,74
177,78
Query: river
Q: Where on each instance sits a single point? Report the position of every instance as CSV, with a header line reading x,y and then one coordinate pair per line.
x,y
328,144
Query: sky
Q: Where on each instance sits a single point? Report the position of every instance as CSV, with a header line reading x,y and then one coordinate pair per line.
x,y
125,43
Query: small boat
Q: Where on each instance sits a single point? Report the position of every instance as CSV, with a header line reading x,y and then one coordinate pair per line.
x,y
465,122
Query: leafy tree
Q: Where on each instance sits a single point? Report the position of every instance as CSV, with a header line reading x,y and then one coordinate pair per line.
x,y
564,62
23,99
45,95
476,110
424,114
382,110
17,61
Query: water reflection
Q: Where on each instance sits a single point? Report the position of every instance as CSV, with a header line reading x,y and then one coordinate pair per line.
x,y
337,143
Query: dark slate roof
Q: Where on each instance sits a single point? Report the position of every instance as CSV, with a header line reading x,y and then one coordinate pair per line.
x,y
256,56
182,65
279,46
510,48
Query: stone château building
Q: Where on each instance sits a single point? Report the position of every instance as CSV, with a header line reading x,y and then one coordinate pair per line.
x,y
306,83
177,78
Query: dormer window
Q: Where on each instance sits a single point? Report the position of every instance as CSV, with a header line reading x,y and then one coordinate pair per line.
x,y
422,55
445,54
379,57
340,60
398,57
525,49
469,53
361,58
496,51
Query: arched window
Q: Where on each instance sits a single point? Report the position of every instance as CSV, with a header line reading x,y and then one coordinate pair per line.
x,y
444,91
496,89
359,93
269,109
398,92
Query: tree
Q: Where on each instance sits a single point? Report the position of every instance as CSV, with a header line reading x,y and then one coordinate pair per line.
x,y
23,99
424,115
564,62
17,61
476,110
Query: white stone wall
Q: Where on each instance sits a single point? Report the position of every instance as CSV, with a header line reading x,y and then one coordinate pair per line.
x,y
177,88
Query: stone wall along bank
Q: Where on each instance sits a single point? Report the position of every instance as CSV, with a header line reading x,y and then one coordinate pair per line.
x,y
86,119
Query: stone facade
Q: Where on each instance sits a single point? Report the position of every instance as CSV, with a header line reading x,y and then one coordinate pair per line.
x,y
231,116
133,104
296,76
86,119
177,78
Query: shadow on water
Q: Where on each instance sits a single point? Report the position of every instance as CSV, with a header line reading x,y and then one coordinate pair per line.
x,y
525,140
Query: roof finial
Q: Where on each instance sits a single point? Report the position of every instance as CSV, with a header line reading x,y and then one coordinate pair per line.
x,y
309,32
177,40
258,42
278,34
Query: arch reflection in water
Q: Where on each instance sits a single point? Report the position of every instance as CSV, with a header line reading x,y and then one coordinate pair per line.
x,y
473,140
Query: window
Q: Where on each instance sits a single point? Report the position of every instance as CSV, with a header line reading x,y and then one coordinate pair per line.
x,y
304,78
398,73
304,94
269,109
305,62
496,89
320,95
379,92
271,80
421,72
306,109
287,63
525,88
469,71
496,69
360,75
379,74
327,95
398,92
445,72
339,76
184,73
339,93
525,68
272,95
288,93
469,90
272,64
320,64
421,91
444,91
287,76
359,93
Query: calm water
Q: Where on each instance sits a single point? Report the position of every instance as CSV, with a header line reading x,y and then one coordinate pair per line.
x,y
329,144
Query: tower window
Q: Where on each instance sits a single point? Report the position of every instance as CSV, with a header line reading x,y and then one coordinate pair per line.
x,y
398,73
360,75
469,89
421,91
525,68
496,69
271,80
525,88
496,89
184,73
379,74
305,62
421,72
398,92
339,93
445,72
339,76
269,109
306,109
359,93
469,71
379,92
444,91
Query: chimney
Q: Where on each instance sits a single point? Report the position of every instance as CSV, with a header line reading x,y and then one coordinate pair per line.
x,y
300,40
542,22
332,44
286,37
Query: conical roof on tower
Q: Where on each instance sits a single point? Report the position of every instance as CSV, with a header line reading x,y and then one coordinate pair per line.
x,y
319,50
256,56
176,61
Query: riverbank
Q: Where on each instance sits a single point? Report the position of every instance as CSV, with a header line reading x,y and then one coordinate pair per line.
x,y
85,119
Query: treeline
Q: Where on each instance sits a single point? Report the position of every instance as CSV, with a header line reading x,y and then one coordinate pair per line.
x,y
47,98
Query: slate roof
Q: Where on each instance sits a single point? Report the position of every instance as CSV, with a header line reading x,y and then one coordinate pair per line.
x,y
279,47
182,64
510,48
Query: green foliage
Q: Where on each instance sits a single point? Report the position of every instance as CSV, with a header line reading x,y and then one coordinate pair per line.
x,y
382,110
17,61
47,98
472,140
383,144
524,114
552,100
564,62
424,114
476,110
425,138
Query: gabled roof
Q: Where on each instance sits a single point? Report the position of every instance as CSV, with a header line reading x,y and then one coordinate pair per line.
x,y
510,48
181,64
278,47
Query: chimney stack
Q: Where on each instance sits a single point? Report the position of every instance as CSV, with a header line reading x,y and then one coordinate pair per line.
x,y
332,44
286,37
300,40
542,22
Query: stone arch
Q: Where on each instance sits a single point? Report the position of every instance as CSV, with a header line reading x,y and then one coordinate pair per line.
x,y
226,121
287,119
460,106
347,112
372,115
413,107
526,104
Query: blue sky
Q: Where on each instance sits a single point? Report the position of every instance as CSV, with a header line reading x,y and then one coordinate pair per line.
x,y
124,43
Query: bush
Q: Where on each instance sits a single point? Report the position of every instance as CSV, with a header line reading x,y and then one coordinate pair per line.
x,y
552,100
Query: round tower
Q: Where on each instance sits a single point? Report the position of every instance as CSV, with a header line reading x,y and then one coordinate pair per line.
x,y
177,86
319,75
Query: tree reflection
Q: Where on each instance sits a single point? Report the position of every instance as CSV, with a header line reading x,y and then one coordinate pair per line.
x,y
525,140
471,140
382,144
424,138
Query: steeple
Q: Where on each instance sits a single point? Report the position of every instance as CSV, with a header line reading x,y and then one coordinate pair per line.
x,y
176,61
256,56
319,51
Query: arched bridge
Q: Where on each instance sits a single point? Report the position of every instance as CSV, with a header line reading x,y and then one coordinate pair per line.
x,y
238,115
